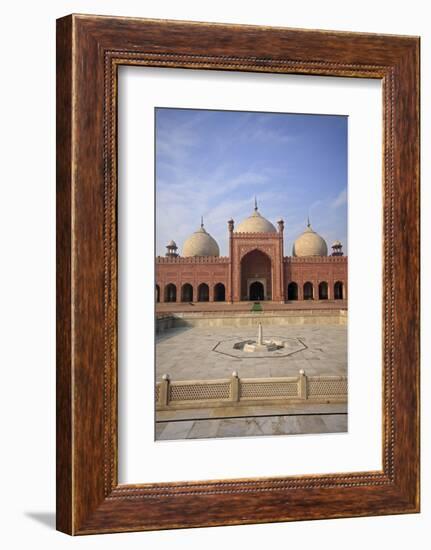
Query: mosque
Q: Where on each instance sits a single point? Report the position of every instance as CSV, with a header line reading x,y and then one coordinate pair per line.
x,y
256,268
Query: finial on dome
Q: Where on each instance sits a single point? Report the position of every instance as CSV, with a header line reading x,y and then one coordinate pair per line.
x,y
308,221
202,222
255,204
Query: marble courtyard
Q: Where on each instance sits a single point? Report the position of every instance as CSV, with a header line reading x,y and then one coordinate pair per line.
x,y
189,353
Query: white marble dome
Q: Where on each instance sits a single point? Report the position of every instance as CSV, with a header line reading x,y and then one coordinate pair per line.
x,y
255,223
200,243
309,243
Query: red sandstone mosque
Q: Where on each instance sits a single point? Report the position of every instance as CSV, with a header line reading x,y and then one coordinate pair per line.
x,y
256,268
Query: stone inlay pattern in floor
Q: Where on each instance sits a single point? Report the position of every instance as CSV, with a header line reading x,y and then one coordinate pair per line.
x,y
187,353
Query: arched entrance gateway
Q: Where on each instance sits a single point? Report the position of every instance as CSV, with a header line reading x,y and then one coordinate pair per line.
x,y
256,276
256,291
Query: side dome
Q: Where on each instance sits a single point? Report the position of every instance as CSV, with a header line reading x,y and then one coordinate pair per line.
x,y
200,243
255,223
309,243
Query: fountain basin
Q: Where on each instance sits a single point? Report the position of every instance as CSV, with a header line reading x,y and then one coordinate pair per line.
x,y
267,345
272,347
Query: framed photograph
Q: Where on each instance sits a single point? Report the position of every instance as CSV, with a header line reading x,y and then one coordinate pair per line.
x,y
251,340
237,274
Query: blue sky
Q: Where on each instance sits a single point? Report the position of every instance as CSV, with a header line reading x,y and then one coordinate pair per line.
x,y
213,163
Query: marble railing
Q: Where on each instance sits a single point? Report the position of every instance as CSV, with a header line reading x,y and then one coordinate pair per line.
x,y
234,391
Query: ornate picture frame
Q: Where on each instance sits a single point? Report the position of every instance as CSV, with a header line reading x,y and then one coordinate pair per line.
x,y
89,51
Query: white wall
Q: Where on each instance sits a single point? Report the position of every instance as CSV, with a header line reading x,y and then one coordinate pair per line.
x,y
27,236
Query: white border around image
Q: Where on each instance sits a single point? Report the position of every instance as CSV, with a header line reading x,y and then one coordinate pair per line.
x,y
141,458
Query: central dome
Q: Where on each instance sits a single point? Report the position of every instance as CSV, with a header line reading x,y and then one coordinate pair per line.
x,y
255,223
200,243
309,244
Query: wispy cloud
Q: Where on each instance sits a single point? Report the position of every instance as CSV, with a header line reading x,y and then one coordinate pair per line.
x,y
213,163
341,199
267,135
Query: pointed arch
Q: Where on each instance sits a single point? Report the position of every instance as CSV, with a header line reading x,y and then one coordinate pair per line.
x,y
203,293
170,293
219,292
256,291
292,291
308,291
323,290
256,267
187,293
338,290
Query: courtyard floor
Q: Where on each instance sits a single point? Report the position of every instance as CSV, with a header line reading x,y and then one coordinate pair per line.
x,y
188,353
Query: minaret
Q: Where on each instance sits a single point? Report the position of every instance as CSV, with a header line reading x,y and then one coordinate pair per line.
x,y
280,224
171,250
230,225
337,249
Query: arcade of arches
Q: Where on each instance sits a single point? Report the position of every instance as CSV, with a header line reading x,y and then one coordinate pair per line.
x,y
254,290
189,294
